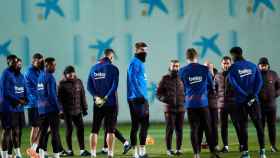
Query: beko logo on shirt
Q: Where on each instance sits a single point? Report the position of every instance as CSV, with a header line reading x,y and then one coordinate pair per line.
x,y
40,86
245,72
99,75
195,79
19,90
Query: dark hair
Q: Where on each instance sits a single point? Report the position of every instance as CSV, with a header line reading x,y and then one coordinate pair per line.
x,y
174,61
49,60
69,69
226,58
140,44
37,56
19,59
11,57
236,51
191,53
108,51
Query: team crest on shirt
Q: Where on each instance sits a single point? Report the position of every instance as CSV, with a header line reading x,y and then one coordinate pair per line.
x,y
19,90
99,75
195,79
40,86
245,72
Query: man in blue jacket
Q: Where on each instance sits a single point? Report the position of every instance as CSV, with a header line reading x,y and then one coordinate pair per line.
x,y
31,78
197,81
14,98
138,99
48,107
246,80
102,84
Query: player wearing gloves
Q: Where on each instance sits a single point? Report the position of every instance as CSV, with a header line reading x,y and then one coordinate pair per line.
x,y
102,84
246,80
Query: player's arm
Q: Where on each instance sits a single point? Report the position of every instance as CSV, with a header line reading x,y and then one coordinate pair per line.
x,y
235,85
60,93
83,98
9,91
210,82
161,90
29,86
90,86
133,72
277,85
115,82
51,88
258,82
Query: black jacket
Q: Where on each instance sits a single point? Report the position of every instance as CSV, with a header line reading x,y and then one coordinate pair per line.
x,y
71,95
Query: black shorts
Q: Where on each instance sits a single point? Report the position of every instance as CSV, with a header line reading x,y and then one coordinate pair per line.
x,y
109,114
13,119
34,117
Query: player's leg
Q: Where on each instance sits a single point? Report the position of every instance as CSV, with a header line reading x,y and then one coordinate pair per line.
x,y
179,125
53,119
243,124
134,128
206,121
170,125
79,124
33,117
121,138
98,115
224,129
110,126
68,133
214,113
194,122
43,140
255,114
271,124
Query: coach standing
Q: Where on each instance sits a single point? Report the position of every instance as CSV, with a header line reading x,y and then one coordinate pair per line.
x,y
269,92
197,81
246,80
137,96
171,92
102,84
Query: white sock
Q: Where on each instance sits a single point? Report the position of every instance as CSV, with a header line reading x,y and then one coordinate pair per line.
x,y
142,150
1,153
226,147
196,155
41,153
110,153
126,143
10,156
82,151
18,153
46,153
135,152
34,146
105,149
56,155
4,154
93,153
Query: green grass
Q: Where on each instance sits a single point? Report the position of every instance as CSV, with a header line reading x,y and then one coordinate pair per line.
x,y
157,150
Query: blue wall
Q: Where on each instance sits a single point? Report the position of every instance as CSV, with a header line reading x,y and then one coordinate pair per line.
x,y
72,30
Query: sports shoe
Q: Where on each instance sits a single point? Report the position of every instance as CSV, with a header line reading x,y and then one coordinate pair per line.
x,y
224,150
85,153
126,148
170,153
262,153
245,155
274,149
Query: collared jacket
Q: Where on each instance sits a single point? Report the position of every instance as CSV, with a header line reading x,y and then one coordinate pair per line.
x,y
171,92
71,95
270,89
